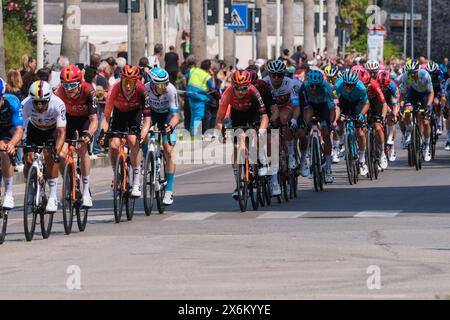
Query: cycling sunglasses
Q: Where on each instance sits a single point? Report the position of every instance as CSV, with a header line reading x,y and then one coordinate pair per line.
x,y
350,86
128,81
162,86
276,75
241,88
315,86
70,85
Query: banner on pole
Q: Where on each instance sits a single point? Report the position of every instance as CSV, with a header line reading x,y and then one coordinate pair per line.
x,y
375,44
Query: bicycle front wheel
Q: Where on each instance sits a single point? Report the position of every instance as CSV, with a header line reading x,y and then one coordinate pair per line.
x,y
129,200
242,187
118,190
68,199
29,204
149,182
253,186
3,224
348,160
316,164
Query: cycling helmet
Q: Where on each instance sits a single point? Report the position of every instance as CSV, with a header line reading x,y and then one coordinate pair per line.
x,y
412,66
432,67
357,68
372,65
384,78
364,76
350,77
130,72
276,66
71,74
158,76
331,71
253,76
40,91
241,78
315,77
2,88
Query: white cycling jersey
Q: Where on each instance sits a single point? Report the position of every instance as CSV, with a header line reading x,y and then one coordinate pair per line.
x,y
165,103
54,116
287,94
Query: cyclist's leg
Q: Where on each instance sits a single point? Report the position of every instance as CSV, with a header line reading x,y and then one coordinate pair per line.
x,y
52,170
119,123
134,127
7,171
303,136
85,163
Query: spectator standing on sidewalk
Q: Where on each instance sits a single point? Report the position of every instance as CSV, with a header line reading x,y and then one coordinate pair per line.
x,y
154,60
172,64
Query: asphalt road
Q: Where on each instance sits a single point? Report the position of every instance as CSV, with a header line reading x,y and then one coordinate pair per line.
x,y
388,239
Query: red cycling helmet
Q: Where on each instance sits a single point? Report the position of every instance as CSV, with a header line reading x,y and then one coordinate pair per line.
x,y
384,78
358,68
130,72
364,76
241,78
71,74
253,76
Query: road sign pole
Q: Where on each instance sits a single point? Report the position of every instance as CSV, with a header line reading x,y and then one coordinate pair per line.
x,y
234,49
278,30
40,33
253,34
221,29
129,30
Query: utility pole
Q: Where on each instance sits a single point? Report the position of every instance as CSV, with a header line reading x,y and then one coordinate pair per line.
x,y
278,30
429,31
150,8
129,30
163,23
221,29
40,33
405,35
412,29
321,25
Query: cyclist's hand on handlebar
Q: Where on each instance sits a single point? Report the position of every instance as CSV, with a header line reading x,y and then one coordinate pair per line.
x,y
101,138
361,117
168,128
87,138
293,123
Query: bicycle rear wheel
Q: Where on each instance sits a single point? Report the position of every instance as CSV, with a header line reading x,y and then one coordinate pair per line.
x,y
68,201
316,164
46,224
149,182
129,200
3,224
242,187
29,207
348,160
253,186
118,190
369,154
267,189
161,176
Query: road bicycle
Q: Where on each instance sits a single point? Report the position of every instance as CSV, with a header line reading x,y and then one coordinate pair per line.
x,y
351,149
415,146
372,150
72,194
3,211
317,158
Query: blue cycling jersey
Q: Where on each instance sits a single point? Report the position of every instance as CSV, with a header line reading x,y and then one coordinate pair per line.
x,y
11,112
447,88
322,95
422,84
391,94
358,94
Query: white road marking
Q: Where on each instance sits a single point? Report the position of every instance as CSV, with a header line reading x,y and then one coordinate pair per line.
x,y
377,214
101,218
283,215
195,216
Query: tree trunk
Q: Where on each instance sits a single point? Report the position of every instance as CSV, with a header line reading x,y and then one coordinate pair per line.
x,y
288,21
157,27
261,37
198,30
70,43
308,41
2,45
138,31
331,8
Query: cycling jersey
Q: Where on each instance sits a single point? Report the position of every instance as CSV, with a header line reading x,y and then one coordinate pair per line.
x,y
447,88
286,95
323,95
85,104
53,117
10,112
438,80
165,103
358,94
423,84
251,102
375,93
391,94
266,95
117,100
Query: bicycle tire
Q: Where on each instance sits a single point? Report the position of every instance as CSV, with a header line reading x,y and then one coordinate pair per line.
x,y
253,186
417,148
162,186
3,224
67,203
369,154
82,220
118,190
260,192
242,188
29,209
46,224
149,183
315,164
129,200
348,160
267,185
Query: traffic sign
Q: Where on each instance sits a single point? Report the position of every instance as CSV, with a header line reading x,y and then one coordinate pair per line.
x,y
123,6
239,17
256,20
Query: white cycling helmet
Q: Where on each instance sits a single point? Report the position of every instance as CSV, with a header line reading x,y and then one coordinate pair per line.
x,y
40,91
372,65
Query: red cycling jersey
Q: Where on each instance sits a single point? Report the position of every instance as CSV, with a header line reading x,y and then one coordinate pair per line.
x,y
252,99
374,92
84,105
117,100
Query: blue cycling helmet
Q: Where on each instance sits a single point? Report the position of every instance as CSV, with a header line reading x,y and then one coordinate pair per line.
x,y
276,66
158,76
350,77
315,77
2,88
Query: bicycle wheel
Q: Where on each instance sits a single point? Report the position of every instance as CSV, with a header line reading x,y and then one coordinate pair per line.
x,y
348,160
260,191
242,188
3,224
161,176
296,185
82,216
253,186
29,207
68,201
46,224
267,188
417,148
129,200
316,163
369,154
434,138
149,182
118,190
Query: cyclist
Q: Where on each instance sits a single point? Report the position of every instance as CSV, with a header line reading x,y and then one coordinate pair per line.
x,y
417,88
333,74
392,96
317,100
354,101
245,107
286,111
378,109
373,66
44,116
438,81
128,103
81,112
163,101
11,132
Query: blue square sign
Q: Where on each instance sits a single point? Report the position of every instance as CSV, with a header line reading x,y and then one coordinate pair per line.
x,y
239,17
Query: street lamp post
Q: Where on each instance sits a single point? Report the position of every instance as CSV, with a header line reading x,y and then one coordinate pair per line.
x,y
278,30
429,31
412,29
40,33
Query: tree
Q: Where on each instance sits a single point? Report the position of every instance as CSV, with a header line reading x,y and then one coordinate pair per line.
x,y
331,8
261,37
198,30
2,45
356,10
308,43
70,43
288,20
137,35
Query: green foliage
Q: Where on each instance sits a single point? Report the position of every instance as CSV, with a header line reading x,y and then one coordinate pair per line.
x,y
356,10
23,12
390,50
17,43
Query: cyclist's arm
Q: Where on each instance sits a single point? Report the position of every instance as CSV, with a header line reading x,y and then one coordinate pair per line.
x,y
109,107
93,117
295,102
224,105
17,120
173,109
61,123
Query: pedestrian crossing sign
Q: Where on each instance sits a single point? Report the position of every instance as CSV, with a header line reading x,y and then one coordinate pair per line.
x,y
239,17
